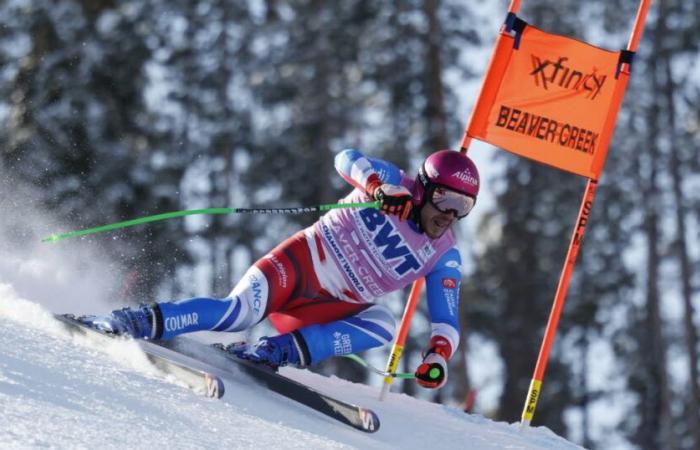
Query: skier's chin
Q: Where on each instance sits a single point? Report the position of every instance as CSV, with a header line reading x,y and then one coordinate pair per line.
x,y
435,232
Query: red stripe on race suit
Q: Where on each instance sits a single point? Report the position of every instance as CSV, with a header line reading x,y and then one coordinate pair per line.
x,y
319,248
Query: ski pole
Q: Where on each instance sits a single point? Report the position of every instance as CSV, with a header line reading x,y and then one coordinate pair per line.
x,y
190,212
365,364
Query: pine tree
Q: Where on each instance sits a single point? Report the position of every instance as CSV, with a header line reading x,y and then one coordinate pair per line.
x,y
209,126
675,47
665,413
79,129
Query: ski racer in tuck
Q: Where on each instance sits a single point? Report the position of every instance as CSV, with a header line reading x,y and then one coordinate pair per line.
x,y
318,287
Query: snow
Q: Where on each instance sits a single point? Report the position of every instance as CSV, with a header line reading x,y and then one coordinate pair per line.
x,y
63,391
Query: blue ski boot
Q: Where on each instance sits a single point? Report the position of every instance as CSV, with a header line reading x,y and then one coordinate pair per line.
x,y
137,323
275,351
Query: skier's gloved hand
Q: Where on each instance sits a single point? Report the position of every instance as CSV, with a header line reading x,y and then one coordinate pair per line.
x,y
432,372
393,199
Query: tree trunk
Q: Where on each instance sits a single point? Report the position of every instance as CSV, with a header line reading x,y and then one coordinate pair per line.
x,y
657,422
585,392
436,117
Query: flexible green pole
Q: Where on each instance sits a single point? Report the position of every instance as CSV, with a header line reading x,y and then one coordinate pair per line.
x,y
190,212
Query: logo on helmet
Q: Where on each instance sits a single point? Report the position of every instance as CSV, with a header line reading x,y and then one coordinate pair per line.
x,y
466,177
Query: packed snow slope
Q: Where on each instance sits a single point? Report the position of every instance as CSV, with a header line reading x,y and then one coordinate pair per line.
x,y
57,390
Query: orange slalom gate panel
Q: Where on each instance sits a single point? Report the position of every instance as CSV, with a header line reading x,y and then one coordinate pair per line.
x,y
549,100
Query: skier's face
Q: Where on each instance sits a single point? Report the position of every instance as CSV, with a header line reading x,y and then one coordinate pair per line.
x,y
433,222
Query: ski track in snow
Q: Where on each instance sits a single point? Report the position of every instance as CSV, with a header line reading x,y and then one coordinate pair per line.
x,y
64,391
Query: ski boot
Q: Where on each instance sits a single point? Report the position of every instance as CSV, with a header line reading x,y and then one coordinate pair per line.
x,y
275,351
137,323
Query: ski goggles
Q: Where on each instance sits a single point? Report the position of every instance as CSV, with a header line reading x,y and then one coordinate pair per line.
x,y
446,200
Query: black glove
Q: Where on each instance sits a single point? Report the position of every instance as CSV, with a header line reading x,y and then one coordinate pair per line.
x,y
432,372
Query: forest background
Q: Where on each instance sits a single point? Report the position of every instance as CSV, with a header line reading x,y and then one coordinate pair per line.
x,y
111,110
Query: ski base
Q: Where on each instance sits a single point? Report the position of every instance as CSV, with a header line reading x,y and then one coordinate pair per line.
x,y
166,360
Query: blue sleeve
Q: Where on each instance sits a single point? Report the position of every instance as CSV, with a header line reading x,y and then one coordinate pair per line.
x,y
442,287
355,168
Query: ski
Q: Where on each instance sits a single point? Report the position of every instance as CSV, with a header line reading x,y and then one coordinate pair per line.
x,y
203,366
358,417
168,361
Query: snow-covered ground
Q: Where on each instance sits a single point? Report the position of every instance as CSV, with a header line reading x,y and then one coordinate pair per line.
x,y
61,391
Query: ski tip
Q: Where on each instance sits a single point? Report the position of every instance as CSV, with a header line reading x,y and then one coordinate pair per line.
x,y
369,420
214,386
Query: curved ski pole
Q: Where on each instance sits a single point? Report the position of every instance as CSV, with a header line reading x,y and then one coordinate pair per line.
x,y
363,363
157,217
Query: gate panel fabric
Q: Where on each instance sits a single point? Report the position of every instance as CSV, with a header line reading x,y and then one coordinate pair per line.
x,y
552,99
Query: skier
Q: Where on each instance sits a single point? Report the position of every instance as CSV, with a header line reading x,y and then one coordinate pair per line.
x,y
318,287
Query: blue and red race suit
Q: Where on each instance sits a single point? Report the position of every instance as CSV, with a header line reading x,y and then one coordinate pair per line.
x,y
323,281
